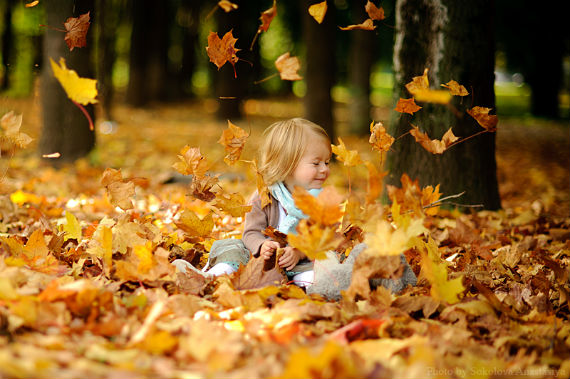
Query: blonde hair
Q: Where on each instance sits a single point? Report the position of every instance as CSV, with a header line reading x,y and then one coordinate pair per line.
x,y
284,145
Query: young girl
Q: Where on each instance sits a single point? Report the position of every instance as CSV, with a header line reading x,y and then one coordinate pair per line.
x,y
295,152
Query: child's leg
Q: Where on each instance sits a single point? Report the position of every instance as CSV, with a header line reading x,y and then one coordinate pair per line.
x,y
304,279
226,256
222,269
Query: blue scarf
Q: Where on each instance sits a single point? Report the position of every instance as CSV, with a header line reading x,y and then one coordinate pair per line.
x,y
294,214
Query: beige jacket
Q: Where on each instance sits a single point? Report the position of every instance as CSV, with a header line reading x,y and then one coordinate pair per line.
x,y
257,220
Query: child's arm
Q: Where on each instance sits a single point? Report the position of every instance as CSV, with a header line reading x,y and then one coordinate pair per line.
x,y
290,258
256,221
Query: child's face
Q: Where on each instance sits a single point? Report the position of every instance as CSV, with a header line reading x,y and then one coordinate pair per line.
x,y
313,167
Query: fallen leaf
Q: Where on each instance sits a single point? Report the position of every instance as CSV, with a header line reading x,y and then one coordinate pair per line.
x,y
318,11
487,121
374,12
80,90
76,28
368,24
433,146
407,106
379,138
233,139
455,88
32,4
256,275
119,190
72,228
288,67
349,157
383,239
222,50
418,83
190,223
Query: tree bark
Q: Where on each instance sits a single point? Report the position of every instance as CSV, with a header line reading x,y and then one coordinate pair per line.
x,y
455,40
320,71
107,23
360,67
65,127
7,44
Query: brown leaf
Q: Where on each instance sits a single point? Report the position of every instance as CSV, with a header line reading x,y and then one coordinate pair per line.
x,y
409,304
379,138
487,121
262,189
455,88
10,135
266,17
433,146
201,187
276,235
253,275
222,50
366,25
192,162
318,11
227,6
369,266
76,31
407,106
119,190
233,139
374,12
288,67
191,282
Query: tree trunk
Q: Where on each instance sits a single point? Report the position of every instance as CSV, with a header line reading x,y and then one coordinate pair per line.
x,y
455,40
107,23
190,34
65,127
360,66
7,45
320,71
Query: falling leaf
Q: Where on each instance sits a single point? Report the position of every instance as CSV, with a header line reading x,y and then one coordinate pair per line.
x,y
366,25
433,146
407,106
318,11
32,4
195,226
323,209
379,138
119,190
76,31
192,162
419,88
262,189
266,17
288,67
222,50
349,157
418,83
314,240
52,155
80,90
232,204
374,187
201,187
233,139
227,6
374,12
455,88
487,121
10,134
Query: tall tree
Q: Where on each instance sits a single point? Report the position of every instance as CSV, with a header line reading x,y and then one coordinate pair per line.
x,y
320,71
455,40
65,128
7,44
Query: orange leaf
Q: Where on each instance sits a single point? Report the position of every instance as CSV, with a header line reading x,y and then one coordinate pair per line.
x,y
455,88
366,25
487,121
119,190
232,204
429,196
374,12
433,146
407,106
349,157
318,11
76,31
419,88
379,139
190,223
418,83
32,4
314,240
262,189
222,50
374,188
192,162
266,18
201,188
227,6
288,67
233,139
323,209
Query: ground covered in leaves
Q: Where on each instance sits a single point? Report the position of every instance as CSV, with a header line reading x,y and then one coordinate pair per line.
x,y
86,289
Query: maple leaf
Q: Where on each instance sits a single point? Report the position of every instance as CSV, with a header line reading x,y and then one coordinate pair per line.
x,y
192,162
233,139
10,134
314,240
366,25
411,197
227,6
349,157
323,209
80,90
201,187
383,240
433,146
190,223
222,50
232,204
407,106
429,196
76,31
256,275
379,138
288,67
419,88
276,235
266,17
418,83
374,12
118,189
262,189
101,245
455,88
487,121
318,11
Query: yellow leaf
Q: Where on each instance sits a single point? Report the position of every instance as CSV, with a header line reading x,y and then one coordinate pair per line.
x,y
233,139
10,134
374,187
379,139
193,225
80,90
159,342
318,11
288,67
20,198
434,146
314,240
455,88
383,240
144,254
487,121
436,96
349,157
7,291
72,228
262,189
36,246
101,245
233,204
192,162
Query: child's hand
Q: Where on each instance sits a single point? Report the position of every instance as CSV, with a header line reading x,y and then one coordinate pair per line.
x,y
268,248
290,258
